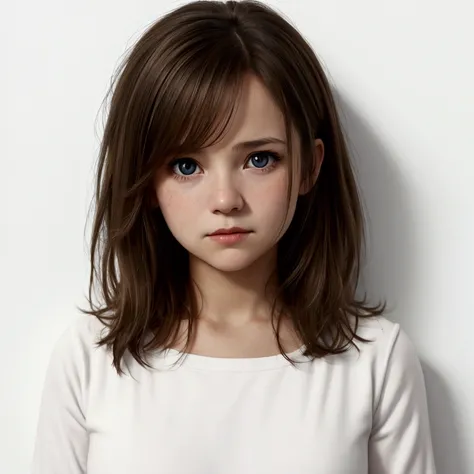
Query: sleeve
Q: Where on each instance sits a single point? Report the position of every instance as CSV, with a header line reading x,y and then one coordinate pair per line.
x,y
400,440
61,443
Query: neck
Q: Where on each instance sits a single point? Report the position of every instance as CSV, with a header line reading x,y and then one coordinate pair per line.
x,y
234,298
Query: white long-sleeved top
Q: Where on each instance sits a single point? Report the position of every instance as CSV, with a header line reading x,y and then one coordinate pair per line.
x,y
354,413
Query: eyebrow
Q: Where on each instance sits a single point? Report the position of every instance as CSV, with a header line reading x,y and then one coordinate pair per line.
x,y
250,144
256,143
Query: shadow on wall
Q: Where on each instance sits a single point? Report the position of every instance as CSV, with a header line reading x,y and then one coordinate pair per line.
x,y
390,269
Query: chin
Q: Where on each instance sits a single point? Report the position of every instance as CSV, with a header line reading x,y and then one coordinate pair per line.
x,y
229,263
230,268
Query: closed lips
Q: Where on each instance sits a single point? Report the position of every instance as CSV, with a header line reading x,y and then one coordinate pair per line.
x,y
233,230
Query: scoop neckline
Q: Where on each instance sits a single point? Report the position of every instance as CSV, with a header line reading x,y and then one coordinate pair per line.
x,y
239,364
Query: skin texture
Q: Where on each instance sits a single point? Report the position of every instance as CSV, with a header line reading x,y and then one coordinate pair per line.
x,y
221,188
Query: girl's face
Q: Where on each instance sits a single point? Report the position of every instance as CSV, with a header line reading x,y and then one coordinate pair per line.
x,y
232,185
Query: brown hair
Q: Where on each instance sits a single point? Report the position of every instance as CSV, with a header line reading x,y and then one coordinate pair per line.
x,y
178,83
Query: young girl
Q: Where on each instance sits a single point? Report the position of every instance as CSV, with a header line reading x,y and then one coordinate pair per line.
x,y
227,241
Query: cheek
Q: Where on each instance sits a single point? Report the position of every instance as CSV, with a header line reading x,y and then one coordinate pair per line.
x,y
180,210
170,203
271,195
271,203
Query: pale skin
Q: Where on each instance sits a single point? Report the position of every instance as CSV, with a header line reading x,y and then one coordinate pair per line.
x,y
222,187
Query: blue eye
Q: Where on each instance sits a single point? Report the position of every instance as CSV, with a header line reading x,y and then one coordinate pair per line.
x,y
263,158
184,166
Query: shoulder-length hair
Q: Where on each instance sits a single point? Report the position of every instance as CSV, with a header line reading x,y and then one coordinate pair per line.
x,y
175,90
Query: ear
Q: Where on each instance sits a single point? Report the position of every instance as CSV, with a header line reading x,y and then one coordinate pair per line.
x,y
308,182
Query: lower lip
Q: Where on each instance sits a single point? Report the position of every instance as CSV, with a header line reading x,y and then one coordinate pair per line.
x,y
229,238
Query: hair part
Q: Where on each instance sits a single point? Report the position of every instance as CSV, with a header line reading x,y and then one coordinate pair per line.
x,y
176,92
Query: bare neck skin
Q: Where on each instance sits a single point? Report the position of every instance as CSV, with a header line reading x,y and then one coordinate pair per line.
x,y
234,299
235,318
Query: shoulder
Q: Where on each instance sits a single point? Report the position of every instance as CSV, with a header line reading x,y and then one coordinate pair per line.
x,y
389,355
73,359
387,348
386,339
77,343
82,330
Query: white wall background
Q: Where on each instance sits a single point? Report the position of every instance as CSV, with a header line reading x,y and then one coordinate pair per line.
x,y
404,76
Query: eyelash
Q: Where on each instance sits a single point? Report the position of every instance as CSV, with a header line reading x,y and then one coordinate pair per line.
x,y
275,156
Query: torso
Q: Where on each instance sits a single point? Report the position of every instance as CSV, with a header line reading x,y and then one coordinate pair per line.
x,y
248,415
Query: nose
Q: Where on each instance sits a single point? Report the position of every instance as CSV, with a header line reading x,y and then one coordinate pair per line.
x,y
226,197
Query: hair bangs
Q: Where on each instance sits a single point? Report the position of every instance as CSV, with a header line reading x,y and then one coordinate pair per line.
x,y
197,103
